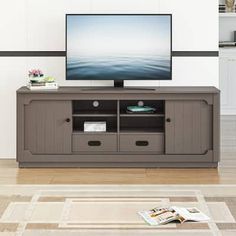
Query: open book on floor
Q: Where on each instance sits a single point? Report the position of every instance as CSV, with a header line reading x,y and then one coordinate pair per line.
x,y
164,215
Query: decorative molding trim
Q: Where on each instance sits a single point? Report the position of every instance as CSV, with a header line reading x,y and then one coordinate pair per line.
x,y
63,53
195,53
32,53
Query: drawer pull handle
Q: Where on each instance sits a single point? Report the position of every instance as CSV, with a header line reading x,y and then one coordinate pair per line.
x,y
94,143
142,143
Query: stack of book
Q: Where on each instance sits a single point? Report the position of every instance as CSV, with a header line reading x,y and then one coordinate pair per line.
x,y
42,85
222,8
227,44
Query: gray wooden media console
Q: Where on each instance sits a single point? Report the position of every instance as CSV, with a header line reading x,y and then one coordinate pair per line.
x,y
183,132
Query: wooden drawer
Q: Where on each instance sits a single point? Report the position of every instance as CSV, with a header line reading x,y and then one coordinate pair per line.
x,y
94,142
142,142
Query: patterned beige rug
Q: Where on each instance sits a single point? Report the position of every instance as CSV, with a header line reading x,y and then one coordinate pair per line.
x,y
89,210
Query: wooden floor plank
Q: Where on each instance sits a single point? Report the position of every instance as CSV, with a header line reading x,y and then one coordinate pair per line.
x,y
11,174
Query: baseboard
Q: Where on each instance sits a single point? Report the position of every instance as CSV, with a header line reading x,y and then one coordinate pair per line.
x,y
118,165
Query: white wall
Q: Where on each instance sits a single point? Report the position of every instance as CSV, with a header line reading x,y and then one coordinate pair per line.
x,y
40,24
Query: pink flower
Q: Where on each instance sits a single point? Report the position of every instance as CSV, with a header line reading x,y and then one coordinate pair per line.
x,y
35,73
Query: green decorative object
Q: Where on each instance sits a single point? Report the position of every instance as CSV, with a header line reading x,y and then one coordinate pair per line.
x,y
49,79
140,109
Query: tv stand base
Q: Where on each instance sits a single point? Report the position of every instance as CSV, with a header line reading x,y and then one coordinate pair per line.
x,y
182,132
117,165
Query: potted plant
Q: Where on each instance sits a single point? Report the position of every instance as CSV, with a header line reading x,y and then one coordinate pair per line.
x,y
35,75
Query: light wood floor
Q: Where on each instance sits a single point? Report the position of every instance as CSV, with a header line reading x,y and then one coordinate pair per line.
x,y
11,174
225,174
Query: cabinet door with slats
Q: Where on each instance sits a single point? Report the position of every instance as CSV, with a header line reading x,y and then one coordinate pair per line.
x,y
188,127
48,127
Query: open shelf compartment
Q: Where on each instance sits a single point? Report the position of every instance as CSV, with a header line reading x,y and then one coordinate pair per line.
x,y
142,122
159,105
94,108
78,124
142,125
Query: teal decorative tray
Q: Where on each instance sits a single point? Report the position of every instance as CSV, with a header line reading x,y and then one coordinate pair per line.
x,y
140,109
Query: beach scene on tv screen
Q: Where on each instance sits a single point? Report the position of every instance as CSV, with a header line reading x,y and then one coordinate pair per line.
x,y
110,47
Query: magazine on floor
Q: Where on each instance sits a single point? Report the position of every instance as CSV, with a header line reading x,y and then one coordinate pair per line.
x,y
164,215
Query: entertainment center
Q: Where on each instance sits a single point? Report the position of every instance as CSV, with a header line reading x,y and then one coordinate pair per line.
x,y
118,127
183,132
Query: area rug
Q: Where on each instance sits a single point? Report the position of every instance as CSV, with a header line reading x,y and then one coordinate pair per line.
x,y
102,210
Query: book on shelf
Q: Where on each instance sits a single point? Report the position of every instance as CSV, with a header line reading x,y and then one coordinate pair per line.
x,y
42,86
95,126
227,44
222,8
165,215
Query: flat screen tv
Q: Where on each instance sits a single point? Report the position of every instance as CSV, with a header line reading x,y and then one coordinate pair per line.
x,y
118,47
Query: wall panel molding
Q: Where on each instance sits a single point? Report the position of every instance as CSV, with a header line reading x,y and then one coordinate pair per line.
x,y
63,53
32,53
195,53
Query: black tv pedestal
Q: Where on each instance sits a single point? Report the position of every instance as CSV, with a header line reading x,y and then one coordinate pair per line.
x,y
118,89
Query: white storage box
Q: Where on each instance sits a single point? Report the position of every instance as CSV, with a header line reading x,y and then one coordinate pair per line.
x,y
95,126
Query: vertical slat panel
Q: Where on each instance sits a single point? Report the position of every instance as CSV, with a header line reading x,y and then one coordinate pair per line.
x,y
206,127
179,134
187,127
46,130
169,127
41,124
216,128
189,131
196,126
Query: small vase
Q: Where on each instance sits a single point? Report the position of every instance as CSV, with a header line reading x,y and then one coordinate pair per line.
x,y
229,5
35,79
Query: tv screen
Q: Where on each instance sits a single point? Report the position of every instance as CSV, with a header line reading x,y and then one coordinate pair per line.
x,y
118,47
